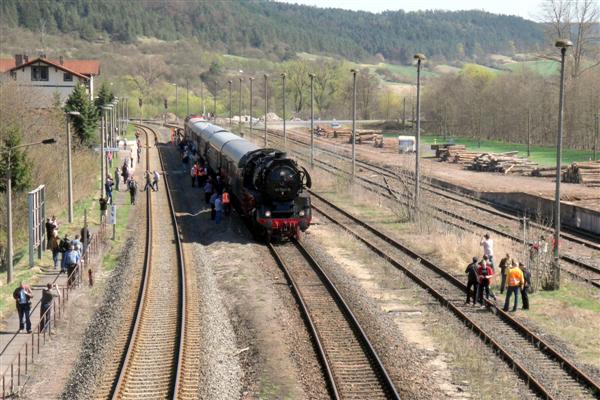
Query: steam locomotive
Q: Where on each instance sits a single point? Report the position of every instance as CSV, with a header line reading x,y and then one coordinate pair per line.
x,y
267,187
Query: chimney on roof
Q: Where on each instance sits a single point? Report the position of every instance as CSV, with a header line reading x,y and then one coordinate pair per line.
x,y
42,55
61,60
18,59
25,58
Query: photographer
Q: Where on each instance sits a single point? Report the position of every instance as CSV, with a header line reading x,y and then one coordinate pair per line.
x,y
48,295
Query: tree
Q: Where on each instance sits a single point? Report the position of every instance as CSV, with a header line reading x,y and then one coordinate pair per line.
x,y
105,96
86,123
297,72
20,165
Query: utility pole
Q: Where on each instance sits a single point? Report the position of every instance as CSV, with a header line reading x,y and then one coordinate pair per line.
x,y
215,104
251,101
187,97
597,131
312,121
283,108
176,103
404,112
240,115
266,106
69,166
528,132
353,122
563,45
202,98
419,57
230,110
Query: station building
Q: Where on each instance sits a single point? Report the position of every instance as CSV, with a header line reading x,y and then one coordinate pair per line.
x,y
50,77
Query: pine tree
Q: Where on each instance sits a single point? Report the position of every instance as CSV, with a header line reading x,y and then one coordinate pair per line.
x,y
86,123
105,96
20,166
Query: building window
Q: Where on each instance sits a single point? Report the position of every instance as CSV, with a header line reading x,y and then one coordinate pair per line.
x,y
13,75
39,73
68,77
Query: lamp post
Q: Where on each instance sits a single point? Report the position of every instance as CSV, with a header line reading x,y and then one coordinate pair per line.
x,y
215,103
176,101
9,235
420,58
312,121
187,97
103,135
251,99
283,107
69,165
240,115
266,106
202,98
229,82
353,122
563,44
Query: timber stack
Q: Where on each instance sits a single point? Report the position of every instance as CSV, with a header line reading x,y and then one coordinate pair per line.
x,y
503,162
454,153
587,173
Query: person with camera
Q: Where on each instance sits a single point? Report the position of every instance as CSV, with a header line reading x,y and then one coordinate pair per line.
x,y
23,296
48,294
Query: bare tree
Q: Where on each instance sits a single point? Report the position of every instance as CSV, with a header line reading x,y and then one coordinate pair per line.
x,y
147,72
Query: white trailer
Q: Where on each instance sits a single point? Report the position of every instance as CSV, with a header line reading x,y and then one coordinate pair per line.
x,y
407,144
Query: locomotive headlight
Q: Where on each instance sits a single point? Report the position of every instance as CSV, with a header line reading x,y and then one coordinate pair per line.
x,y
301,213
268,214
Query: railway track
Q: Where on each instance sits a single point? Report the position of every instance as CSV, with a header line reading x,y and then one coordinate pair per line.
x,y
352,367
152,365
573,266
544,369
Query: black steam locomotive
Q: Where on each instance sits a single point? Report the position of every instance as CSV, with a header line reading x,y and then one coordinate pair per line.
x,y
267,187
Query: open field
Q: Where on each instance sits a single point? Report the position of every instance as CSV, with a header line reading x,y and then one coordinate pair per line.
x,y
542,67
541,154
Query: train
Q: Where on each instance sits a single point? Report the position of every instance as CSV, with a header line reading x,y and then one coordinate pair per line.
x,y
268,188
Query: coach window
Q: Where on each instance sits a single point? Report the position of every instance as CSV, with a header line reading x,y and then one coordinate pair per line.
x,y
39,73
68,77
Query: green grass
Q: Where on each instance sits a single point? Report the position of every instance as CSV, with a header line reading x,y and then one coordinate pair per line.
x,y
544,156
572,295
543,67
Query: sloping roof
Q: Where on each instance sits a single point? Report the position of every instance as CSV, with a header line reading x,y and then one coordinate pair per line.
x,y
82,67
52,63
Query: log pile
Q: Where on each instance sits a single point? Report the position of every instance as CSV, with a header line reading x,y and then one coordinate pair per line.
x,y
456,153
503,162
546,172
587,173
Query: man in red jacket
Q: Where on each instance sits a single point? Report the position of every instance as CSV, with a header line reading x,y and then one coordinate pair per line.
x,y
484,275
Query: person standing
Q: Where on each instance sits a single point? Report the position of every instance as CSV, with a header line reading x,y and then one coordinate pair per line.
x,y
526,285
23,296
218,210
226,202
108,185
64,247
213,211
504,264
132,185
515,283
103,207
50,227
48,295
488,248
208,189
72,258
148,180
155,181
55,248
484,275
117,179
472,282
194,174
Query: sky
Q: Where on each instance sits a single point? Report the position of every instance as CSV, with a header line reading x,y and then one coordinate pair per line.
x,y
522,8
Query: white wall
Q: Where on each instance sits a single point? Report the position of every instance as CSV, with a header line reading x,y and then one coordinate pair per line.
x,y
46,89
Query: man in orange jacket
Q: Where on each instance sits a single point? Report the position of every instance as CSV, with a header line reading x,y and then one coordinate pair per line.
x,y
515,284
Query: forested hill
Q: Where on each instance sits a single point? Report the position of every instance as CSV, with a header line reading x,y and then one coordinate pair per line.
x,y
241,26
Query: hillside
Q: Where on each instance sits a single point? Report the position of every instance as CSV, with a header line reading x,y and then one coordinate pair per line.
x,y
277,30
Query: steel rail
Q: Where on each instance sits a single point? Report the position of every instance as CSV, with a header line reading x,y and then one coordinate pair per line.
x,y
499,232
360,334
182,281
546,348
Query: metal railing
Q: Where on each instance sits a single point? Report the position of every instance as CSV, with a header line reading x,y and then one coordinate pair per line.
x,y
13,376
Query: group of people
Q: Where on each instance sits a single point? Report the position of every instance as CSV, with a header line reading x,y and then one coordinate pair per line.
x,y
515,278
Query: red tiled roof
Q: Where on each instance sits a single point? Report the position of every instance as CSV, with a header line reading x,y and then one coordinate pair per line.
x,y
81,67
52,63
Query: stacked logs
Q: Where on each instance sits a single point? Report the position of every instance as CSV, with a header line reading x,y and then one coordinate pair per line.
x,y
587,173
455,153
503,162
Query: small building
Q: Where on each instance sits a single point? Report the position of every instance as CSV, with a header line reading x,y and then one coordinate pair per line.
x,y
407,144
50,76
